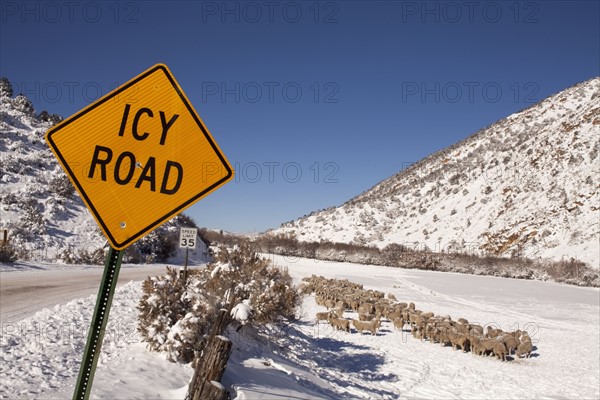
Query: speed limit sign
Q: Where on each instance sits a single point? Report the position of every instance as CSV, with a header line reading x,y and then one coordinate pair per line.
x,y
187,238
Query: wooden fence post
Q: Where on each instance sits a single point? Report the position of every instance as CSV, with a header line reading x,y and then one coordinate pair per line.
x,y
209,371
213,361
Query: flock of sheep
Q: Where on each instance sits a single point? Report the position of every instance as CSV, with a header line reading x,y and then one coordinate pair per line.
x,y
339,296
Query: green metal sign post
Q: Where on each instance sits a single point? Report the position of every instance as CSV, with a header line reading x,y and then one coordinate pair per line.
x,y
98,324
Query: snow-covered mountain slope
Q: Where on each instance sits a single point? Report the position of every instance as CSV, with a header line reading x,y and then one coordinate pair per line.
x,y
527,185
38,204
45,218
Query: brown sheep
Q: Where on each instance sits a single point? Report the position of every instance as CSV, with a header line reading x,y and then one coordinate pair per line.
x,y
511,342
366,317
476,330
323,316
382,308
459,340
366,308
476,347
525,347
398,323
418,332
340,324
487,346
431,333
371,326
393,315
493,332
342,304
500,350
329,304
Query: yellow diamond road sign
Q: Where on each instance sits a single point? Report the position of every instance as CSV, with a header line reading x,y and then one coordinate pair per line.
x,y
139,156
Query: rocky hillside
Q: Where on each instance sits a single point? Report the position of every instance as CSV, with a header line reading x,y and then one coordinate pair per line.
x,y
45,218
527,185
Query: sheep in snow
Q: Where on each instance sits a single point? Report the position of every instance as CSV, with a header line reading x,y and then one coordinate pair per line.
x,y
476,347
431,332
340,324
392,315
398,323
493,332
459,340
511,342
418,332
323,316
320,300
370,326
476,330
366,308
366,317
417,320
525,347
329,304
354,304
381,307
342,304
500,350
341,295
485,346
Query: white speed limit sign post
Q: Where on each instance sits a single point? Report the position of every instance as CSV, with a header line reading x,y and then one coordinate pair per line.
x,y
187,238
187,241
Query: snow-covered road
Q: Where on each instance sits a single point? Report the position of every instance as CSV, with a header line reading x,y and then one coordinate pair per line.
x,y
22,293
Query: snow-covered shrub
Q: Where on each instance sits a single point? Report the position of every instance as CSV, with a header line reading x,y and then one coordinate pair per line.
x,y
7,253
176,317
162,323
11,164
244,275
32,223
157,246
160,244
6,89
45,116
60,185
23,104
82,256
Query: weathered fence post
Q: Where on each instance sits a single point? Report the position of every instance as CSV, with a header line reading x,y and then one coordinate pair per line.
x,y
213,361
211,366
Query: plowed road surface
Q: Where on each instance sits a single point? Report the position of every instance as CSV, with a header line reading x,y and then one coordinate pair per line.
x,y
22,293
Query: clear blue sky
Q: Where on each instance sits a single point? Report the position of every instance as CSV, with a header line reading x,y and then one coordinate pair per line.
x,y
312,102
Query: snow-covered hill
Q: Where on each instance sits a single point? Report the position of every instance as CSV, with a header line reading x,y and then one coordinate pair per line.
x,y
45,218
38,204
527,185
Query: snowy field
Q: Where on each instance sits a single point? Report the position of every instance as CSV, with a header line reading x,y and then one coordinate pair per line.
x,y
40,354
